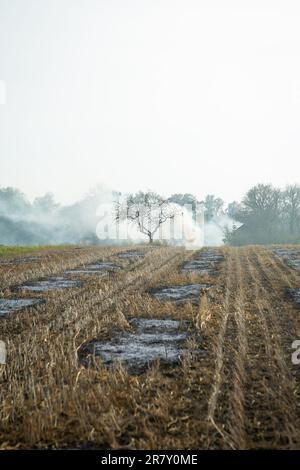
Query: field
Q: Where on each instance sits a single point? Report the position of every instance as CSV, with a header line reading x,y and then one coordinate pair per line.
x,y
11,251
235,387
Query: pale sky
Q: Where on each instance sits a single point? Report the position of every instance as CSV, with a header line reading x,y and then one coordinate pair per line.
x,y
196,96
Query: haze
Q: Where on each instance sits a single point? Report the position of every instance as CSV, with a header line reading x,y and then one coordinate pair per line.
x,y
178,96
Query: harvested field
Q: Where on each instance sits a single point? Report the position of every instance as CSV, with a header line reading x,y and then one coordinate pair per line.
x,y
120,361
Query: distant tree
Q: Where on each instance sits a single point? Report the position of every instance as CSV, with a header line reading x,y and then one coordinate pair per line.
x,y
262,207
291,205
21,232
45,204
260,213
233,210
229,234
213,206
263,199
13,202
188,201
183,199
147,210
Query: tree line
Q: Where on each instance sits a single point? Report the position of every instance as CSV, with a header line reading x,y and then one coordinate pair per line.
x,y
265,215
268,214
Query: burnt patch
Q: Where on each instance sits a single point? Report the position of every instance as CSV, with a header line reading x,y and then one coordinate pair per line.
x,y
13,305
200,267
27,260
295,264
290,256
101,268
179,294
289,252
205,264
294,295
130,255
151,340
50,284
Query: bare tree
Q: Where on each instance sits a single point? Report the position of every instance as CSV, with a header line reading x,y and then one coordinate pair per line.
x,y
147,210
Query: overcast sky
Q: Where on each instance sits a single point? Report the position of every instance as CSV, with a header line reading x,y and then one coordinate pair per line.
x,y
197,96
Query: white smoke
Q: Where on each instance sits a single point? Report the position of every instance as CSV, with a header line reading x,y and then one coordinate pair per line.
x,y
93,220
214,230
180,230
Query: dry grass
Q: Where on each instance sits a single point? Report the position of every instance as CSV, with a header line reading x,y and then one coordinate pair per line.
x,y
242,394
